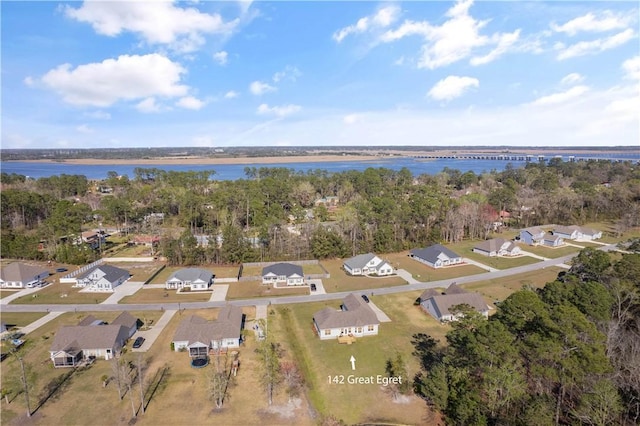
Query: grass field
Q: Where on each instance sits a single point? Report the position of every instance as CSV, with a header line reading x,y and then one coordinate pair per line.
x,y
20,319
550,252
422,272
464,249
341,281
250,289
140,272
5,293
55,294
160,295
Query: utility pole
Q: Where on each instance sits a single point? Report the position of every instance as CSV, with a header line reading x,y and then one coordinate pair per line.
x,y
26,387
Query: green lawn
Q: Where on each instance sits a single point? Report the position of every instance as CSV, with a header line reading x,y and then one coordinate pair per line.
x,y
20,319
465,249
550,252
159,295
217,271
5,293
62,294
341,281
250,289
422,272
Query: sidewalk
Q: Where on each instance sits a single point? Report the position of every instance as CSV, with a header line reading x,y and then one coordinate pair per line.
x,y
479,265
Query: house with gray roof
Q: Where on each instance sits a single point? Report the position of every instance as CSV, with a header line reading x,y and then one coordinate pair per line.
x,y
552,240
497,247
354,318
21,275
283,273
441,306
91,339
367,264
575,232
102,278
436,256
199,336
532,236
193,278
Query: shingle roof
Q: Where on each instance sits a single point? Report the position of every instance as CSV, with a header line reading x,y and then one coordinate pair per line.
x,y
494,245
74,337
431,253
549,237
534,230
357,314
568,230
359,261
455,289
196,329
20,272
111,273
443,303
280,269
126,319
428,293
192,274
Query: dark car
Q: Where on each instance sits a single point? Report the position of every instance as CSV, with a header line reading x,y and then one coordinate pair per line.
x,y
365,298
139,341
312,287
61,270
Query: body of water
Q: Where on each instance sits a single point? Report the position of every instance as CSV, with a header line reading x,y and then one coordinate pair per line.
x,y
236,171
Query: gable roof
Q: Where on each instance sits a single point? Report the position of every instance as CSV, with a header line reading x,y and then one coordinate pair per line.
x,y
428,293
550,237
20,272
431,253
192,274
494,245
568,230
280,269
359,261
534,230
111,273
196,329
357,313
77,337
126,319
90,320
455,289
443,303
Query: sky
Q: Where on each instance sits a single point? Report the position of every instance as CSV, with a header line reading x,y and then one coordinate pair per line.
x,y
99,74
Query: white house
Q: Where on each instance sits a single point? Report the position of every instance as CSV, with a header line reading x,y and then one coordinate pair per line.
x,y
193,278
102,278
497,247
552,240
198,336
440,306
367,264
21,275
575,232
355,318
436,256
283,273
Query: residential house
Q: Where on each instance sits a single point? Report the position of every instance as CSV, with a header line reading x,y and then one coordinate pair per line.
x,y
436,256
575,232
193,278
440,306
283,273
146,240
552,240
199,336
367,264
21,275
331,203
102,278
497,247
94,239
532,236
355,318
91,339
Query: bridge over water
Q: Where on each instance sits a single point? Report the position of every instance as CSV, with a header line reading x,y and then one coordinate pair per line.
x,y
526,157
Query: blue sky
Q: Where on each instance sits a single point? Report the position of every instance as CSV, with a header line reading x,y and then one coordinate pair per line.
x,y
166,73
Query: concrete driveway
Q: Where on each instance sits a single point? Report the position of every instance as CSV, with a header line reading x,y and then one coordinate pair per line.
x,y
124,289
479,265
219,292
152,334
319,286
382,317
405,275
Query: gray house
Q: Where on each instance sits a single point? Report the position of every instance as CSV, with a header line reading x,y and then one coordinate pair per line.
x,y
575,232
532,236
436,256
194,278
440,305
497,247
355,318
102,278
366,264
198,336
283,273
21,275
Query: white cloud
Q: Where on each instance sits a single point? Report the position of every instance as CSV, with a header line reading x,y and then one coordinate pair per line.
x,y
279,111
632,68
231,94
125,78
148,106
381,19
596,46
289,72
455,39
452,87
260,88
98,115
352,118
84,129
156,22
607,21
561,97
221,57
190,102
204,140
29,81
571,79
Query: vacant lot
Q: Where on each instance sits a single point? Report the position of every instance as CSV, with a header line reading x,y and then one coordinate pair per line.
x,y
422,272
140,272
465,249
550,252
60,293
341,281
250,289
159,295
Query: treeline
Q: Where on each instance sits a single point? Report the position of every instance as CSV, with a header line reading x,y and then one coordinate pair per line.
x,y
565,354
272,213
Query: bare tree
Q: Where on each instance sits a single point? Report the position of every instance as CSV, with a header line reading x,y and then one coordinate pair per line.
x,y
292,379
140,366
117,375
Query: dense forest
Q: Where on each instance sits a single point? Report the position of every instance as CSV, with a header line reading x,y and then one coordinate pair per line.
x,y
565,354
272,214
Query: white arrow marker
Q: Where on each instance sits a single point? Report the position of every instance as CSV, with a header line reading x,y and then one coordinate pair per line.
x,y
353,362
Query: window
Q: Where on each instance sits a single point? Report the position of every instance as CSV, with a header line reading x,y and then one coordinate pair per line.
x,y
370,328
359,330
327,332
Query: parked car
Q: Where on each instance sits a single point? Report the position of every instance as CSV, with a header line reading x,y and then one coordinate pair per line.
x,y
312,287
365,298
139,341
61,269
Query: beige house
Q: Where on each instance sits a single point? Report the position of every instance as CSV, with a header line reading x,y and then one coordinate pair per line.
x,y
354,318
21,275
440,306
